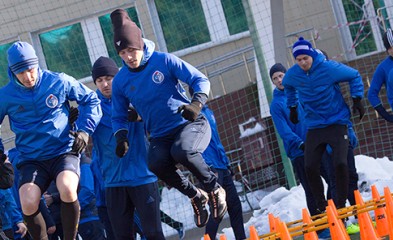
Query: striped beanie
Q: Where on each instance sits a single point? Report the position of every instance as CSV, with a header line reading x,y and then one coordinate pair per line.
x,y
21,56
302,46
388,39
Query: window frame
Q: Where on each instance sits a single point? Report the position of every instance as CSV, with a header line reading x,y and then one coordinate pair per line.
x,y
214,21
345,34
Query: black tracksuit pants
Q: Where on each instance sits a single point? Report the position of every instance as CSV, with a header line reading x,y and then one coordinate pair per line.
x,y
183,145
317,139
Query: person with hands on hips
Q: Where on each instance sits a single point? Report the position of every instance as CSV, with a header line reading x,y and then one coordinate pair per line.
x,y
36,102
178,133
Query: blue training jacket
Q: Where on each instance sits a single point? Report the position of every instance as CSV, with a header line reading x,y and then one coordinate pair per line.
x,y
12,157
86,194
99,189
9,211
129,171
293,135
214,154
39,115
155,91
319,91
380,78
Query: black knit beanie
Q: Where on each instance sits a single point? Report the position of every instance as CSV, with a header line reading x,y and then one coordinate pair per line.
x,y
388,39
104,66
125,32
278,67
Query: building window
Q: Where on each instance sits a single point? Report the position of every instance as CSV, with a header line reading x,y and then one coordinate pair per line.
x,y
235,16
367,21
360,33
183,23
4,64
106,26
65,51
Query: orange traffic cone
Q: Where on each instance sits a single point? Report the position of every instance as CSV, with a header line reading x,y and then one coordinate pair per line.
x,y
389,210
307,219
272,223
253,233
380,214
340,222
336,231
367,231
223,237
206,237
283,230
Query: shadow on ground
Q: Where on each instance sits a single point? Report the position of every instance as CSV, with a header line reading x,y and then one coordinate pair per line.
x,y
197,233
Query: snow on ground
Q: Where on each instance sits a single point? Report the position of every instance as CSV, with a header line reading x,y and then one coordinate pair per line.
x,y
283,203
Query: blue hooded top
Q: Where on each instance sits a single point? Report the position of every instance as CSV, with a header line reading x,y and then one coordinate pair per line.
x,y
214,154
39,115
155,91
132,169
99,188
318,89
86,194
293,135
9,212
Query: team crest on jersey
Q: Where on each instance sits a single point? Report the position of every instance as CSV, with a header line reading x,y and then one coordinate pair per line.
x,y
158,77
51,101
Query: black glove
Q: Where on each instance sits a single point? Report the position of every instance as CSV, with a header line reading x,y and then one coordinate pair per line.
x,y
190,111
121,143
293,115
80,141
382,111
73,115
3,156
301,147
133,115
358,107
231,171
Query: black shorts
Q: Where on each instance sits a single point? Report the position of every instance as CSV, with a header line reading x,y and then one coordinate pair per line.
x,y
41,173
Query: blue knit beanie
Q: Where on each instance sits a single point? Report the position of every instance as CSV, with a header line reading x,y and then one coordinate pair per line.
x,y
21,56
303,47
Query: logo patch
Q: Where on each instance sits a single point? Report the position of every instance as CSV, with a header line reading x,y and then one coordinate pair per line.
x,y
20,108
51,101
118,43
158,77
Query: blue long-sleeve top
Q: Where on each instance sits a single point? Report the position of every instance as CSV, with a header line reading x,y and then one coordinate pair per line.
x,y
380,78
12,157
39,115
155,91
214,154
132,169
318,90
293,135
99,188
86,195
10,213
